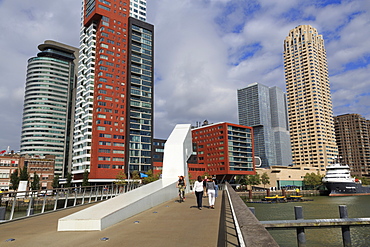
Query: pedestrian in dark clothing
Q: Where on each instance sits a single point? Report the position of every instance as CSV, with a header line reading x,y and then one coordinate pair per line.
x,y
198,189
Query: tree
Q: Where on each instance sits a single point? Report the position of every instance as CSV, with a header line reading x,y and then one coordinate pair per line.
x,y
14,180
265,179
121,178
312,180
35,184
150,178
251,180
55,183
85,179
69,180
23,175
135,175
365,181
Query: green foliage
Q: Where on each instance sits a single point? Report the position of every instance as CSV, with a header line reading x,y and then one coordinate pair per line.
x,y
265,179
121,178
85,178
150,178
251,180
135,175
14,180
69,180
23,175
55,183
35,184
312,180
365,181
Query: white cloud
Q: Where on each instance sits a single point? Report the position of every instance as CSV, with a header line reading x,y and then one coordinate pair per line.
x,y
201,53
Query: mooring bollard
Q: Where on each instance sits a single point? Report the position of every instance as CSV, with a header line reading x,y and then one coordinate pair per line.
x,y
301,237
346,234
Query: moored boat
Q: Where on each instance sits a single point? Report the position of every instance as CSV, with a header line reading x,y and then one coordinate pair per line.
x,y
339,182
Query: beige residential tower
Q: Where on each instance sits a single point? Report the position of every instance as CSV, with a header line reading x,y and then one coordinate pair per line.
x,y
309,100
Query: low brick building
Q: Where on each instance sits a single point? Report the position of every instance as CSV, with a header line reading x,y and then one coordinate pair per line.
x,y
42,165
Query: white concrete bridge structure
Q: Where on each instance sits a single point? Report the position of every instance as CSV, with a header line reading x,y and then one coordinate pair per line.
x,y
177,151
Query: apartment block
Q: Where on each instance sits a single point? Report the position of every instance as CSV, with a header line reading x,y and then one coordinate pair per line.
x,y
224,149
352,132
114,104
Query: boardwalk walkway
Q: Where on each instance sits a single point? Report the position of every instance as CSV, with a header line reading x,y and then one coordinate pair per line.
x,y
168,224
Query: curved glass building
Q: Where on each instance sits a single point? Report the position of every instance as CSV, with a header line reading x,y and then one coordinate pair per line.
x,y
48,112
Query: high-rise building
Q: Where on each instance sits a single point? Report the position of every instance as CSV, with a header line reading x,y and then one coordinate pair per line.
x,y
352,132
114,102
265,110
310,108
49,104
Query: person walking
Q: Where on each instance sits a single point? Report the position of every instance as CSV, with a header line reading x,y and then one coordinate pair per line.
x,y
205,187
216,186
181,184
198,190
211,191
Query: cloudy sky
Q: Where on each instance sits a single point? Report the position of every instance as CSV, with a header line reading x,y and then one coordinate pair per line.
x,y
204,51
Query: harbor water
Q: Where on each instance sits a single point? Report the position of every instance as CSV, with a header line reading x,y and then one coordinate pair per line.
x,y
322,207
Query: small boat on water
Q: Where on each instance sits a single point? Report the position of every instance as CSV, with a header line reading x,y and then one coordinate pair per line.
x,y
339,182
282,199
275,198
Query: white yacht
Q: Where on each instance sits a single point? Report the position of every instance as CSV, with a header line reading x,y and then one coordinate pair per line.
x,y
339,181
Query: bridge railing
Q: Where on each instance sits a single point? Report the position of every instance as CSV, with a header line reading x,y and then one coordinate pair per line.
x,y
249,230
20,204
300,224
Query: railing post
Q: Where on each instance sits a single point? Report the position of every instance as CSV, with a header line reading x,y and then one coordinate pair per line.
x,y
91,191
56,200
13,206
346,235
75,200
102,194
301,237
96,193
30,206
43,204
83,196
66,198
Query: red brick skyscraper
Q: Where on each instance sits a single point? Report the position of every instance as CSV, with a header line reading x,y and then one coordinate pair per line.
x,y
114,103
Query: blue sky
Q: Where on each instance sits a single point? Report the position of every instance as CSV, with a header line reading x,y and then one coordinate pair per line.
x,y
204,51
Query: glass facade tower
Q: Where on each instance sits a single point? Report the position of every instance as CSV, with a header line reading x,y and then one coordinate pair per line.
x,y
264,109
49,104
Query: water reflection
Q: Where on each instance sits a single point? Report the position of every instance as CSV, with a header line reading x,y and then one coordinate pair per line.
x,y
323,207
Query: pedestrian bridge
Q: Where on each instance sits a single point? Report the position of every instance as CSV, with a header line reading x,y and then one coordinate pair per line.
x,y
170,223
147,216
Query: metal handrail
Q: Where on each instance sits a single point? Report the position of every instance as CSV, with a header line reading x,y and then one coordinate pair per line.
x,y
22,204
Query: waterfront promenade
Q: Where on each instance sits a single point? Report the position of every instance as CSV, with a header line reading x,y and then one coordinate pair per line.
x,y
168,224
